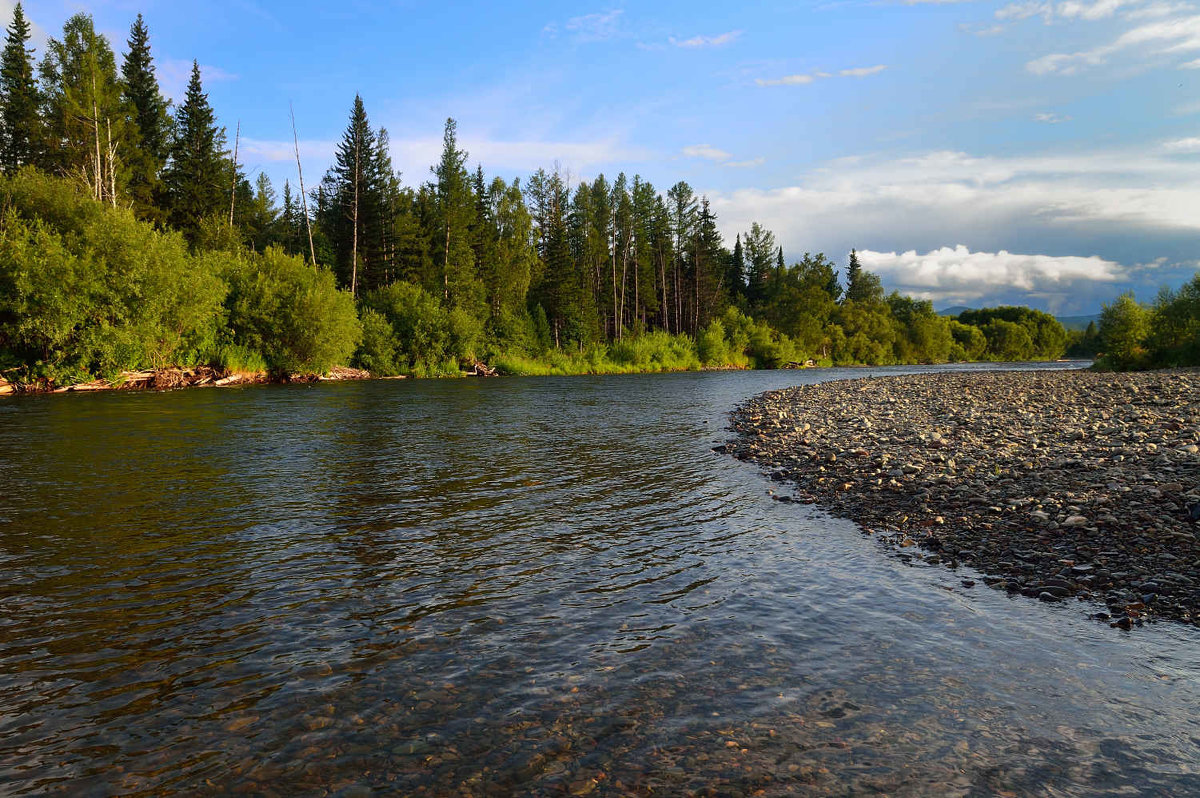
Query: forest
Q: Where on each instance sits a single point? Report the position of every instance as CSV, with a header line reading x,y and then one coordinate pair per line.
x,y
131,237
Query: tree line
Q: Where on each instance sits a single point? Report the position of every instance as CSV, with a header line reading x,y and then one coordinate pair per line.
x,y
536,276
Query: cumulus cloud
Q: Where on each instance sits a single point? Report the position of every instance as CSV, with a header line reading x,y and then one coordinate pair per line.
x,y
1051,119
805,79
1125,205
707,41
956,275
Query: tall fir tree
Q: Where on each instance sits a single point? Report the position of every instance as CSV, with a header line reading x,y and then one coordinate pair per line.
x,y
855,290
454,209
148,109
196,177
21,133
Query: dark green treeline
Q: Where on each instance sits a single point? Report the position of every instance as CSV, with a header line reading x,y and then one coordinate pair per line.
x,y
536,276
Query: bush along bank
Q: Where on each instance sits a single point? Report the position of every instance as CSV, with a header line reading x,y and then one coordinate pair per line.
x,y
1052,484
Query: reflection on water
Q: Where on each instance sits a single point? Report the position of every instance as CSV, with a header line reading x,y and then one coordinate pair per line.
x,y
545,586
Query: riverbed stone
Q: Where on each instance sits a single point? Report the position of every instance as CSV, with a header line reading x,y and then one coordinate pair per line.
x,y
1062,483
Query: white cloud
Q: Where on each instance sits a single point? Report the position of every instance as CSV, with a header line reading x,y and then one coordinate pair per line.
x,y
266,151
745,164
1162,37
805,79
175,73
959,276
1190,64
1051,119
786,80
707,41
1014,12
862,72
1098,9
1123,204
1188,145
589,27
37,34
705,151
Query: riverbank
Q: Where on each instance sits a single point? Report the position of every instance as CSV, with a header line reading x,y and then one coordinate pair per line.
x,y
170,379
1052,484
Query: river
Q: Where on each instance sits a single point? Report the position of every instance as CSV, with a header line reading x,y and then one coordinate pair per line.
x,y
518,586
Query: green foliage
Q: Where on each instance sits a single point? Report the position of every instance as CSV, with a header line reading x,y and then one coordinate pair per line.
x,y
1124,327
377,352
289,311
420,327
1047,340
22,136
88,290
969,342
1008,340
1174,338
196,177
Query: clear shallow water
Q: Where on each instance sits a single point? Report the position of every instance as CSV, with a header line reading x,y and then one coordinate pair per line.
x,y
546,586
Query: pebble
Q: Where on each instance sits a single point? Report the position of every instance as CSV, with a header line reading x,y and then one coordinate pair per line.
x,y
1051,483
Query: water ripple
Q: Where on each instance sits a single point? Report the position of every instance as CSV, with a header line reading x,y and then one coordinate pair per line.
x,y
534,586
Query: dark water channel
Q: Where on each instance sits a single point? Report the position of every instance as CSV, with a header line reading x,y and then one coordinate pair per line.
x,y
545,586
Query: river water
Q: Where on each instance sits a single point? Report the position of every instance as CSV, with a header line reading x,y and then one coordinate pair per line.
x,y
539,586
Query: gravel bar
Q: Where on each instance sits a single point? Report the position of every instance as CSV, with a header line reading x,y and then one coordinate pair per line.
x,y
1053,484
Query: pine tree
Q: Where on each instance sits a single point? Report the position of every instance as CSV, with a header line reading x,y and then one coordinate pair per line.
x,y
149,111
21,134
196,179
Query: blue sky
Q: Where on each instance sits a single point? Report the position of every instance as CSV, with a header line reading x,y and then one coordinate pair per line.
x,y
975,152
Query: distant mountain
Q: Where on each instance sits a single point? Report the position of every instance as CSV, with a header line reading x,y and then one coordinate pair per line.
x,y
1068,322
1078,322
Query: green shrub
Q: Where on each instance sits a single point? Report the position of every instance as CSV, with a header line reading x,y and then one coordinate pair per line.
x,y
289,311
377,352
420,327
87,290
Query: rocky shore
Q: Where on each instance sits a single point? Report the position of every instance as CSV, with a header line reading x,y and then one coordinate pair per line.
x,y
1053,484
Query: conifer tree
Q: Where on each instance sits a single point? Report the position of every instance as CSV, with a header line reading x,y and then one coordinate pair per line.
x,y
454,210
737,270
21,134
148,108
196,179
854,287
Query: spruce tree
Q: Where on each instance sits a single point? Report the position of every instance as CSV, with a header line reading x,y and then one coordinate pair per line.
x,y
20,125
149,111
196,177
454,209
737,270
854,287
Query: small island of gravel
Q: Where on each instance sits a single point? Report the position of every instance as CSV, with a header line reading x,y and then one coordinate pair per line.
x,y
1051,483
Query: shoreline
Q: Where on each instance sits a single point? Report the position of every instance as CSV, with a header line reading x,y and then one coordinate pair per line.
x,y
173,379
1053,484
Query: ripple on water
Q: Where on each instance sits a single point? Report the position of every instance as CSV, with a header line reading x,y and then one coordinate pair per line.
x,y
535,586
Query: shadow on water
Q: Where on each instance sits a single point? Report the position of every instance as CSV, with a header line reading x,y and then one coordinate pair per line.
x,y
538,586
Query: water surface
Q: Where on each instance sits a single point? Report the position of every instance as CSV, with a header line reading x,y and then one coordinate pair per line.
x,y
544,586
